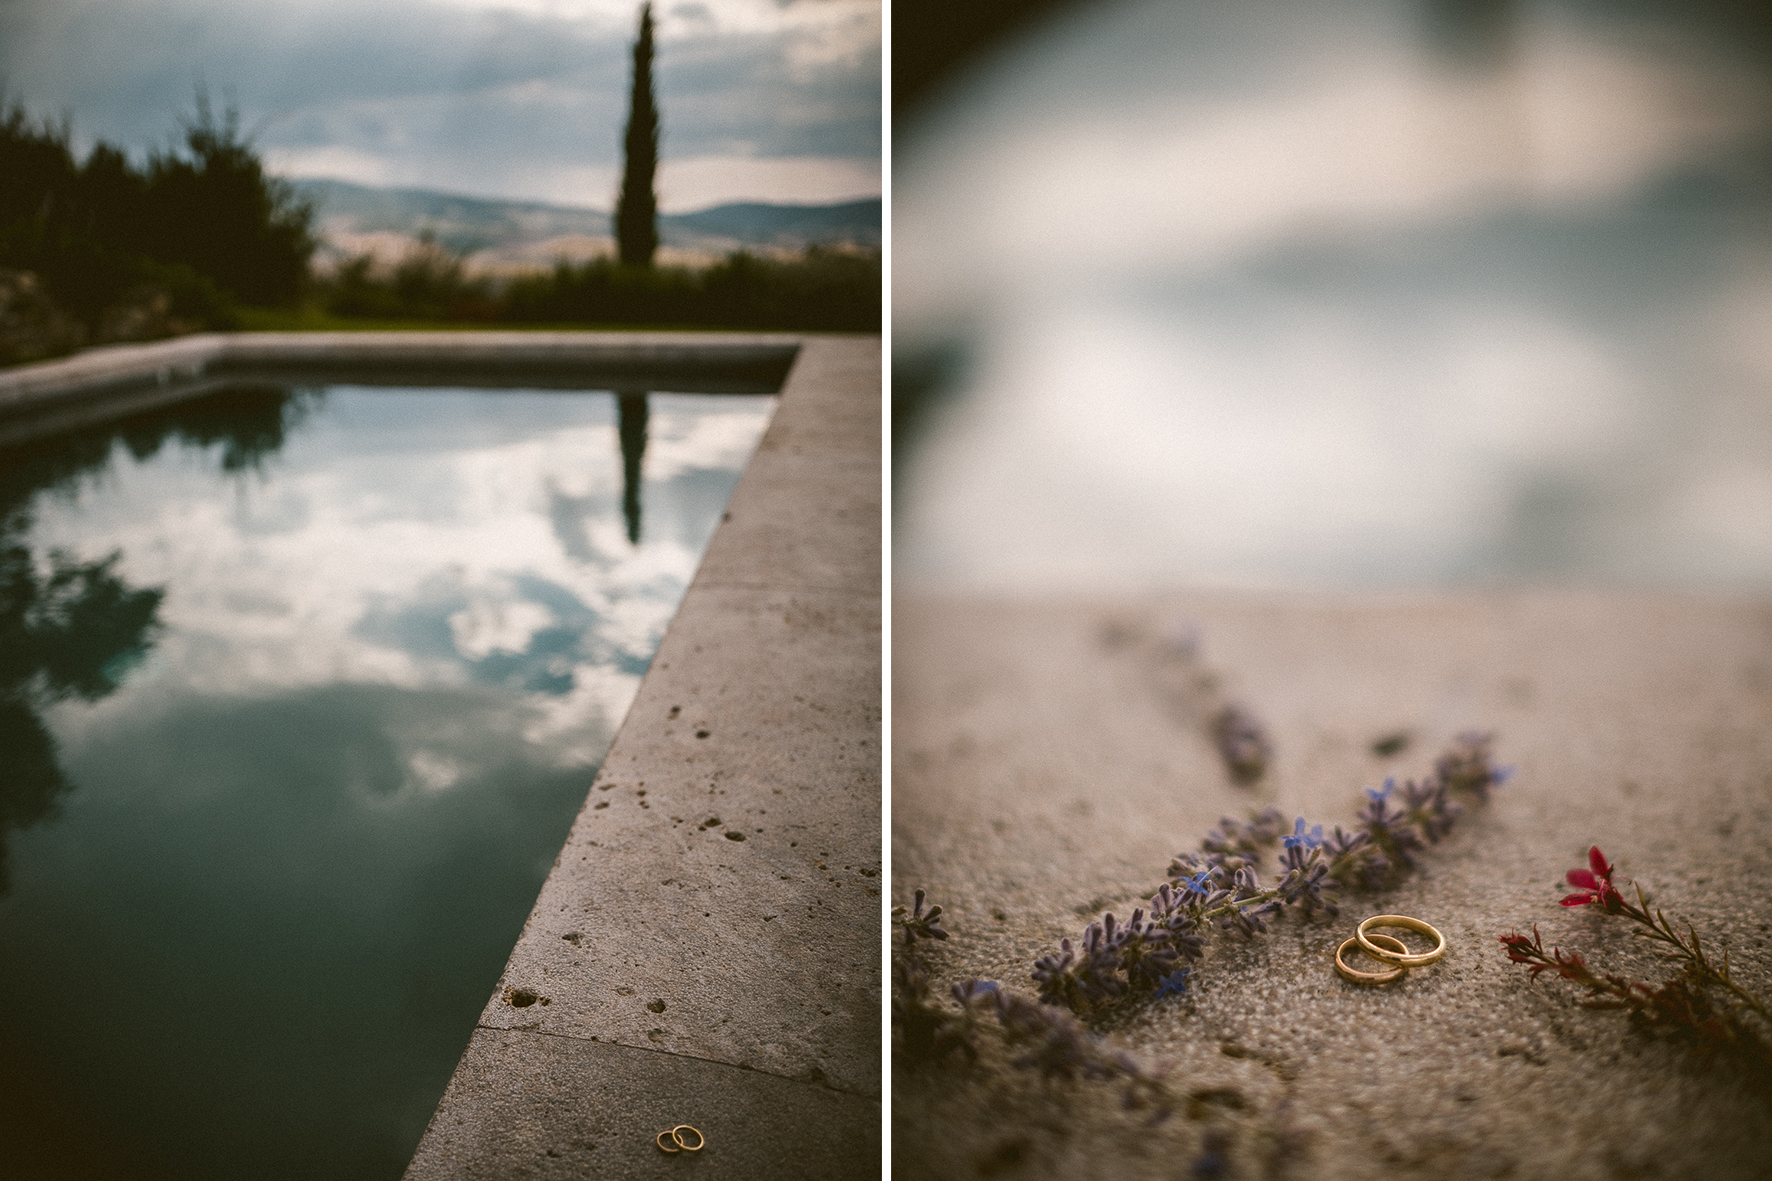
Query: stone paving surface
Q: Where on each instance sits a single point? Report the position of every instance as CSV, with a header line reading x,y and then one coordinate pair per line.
x,y
1050,757
517,1108
707,945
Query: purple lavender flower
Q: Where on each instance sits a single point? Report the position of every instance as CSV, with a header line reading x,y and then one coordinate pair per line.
x,y
1199,883
1240,843
1390,829
1174,984
1340,844
1199,892
918,922
1355,860
1428,807
1212,1161
1299,837
1242,743
927,1032
1052,972
1247,920
973,991
1098,960
1466,766
1170,909
1147,951
1054,1043
1306,882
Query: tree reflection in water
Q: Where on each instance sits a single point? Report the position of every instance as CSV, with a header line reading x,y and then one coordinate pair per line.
x,y
75,629
631,405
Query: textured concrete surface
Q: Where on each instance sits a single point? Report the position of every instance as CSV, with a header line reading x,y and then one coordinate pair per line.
x,y
718,901
1050,757
518,1108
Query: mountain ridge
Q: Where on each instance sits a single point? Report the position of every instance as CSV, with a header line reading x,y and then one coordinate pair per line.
x,y
349,215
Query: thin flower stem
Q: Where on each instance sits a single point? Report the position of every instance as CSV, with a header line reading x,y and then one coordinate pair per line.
x,y
1689,949
1237,904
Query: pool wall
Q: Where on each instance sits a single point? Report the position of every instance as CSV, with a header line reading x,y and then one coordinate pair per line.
x,y
103,383
706,949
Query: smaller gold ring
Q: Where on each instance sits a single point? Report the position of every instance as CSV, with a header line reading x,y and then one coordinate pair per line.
x,y
1359,977
1406,959
663,1147
677,1135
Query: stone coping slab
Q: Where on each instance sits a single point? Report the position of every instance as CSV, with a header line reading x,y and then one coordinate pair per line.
x,y
1051,756
689,361
565,1108
718,902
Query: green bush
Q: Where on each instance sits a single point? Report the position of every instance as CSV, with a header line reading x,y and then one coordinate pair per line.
x,y
143,252
822,289
430,283
216,211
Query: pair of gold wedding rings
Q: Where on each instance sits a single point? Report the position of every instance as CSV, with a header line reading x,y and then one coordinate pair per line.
x,y
1388,949
672,1141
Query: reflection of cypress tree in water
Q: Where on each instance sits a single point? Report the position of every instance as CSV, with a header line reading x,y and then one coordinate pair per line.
x,y
77,631
633,450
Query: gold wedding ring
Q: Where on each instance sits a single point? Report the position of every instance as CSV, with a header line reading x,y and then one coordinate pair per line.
x,y
1403,957
1359,977
677,1144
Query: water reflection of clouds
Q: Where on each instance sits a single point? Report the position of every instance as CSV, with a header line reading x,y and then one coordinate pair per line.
x,y
417,540
1325,295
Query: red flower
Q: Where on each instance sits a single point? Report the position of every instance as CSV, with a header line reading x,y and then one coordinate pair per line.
x,y
1595,884
1520,949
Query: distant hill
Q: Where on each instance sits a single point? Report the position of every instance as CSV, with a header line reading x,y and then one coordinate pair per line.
x,y
353,218
855,222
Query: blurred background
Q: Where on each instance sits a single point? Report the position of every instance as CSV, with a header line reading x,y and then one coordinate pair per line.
x,y
1337,295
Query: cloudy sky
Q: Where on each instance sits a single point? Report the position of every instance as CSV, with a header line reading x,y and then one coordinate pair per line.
x,y
761,99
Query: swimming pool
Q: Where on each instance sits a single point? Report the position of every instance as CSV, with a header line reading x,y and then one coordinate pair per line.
x,y
302,752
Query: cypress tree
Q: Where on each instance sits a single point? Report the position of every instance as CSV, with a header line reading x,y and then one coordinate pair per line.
x,y
636,209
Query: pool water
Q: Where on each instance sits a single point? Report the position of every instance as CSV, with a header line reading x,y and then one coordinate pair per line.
x,y
300,690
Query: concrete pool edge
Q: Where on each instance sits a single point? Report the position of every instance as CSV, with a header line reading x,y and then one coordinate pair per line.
x,y
713,918
707,941
48,397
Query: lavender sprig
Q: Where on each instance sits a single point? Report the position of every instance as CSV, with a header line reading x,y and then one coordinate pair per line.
x,y
927,1031
1045,1039
918,922
1466,767
1242,743
1055,1043
1220,886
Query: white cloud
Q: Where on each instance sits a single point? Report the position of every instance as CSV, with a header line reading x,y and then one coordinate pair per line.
x,y
332,162
497,621
698,183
